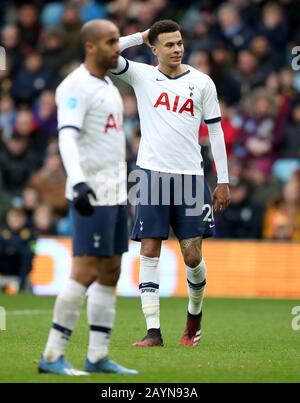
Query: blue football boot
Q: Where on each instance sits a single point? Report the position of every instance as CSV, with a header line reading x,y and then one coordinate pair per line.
x,y
105,365
60,366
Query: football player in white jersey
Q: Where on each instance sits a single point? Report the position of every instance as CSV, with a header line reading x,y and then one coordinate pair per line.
x,y
92,146
173,98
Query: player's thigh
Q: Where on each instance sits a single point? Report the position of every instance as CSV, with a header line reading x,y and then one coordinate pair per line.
x,y
121,235
152,215
94,235
109,270
190,221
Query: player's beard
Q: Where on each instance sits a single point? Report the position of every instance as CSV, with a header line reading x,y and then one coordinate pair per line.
x,y
106,63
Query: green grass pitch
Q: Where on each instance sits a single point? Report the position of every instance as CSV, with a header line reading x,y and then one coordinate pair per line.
x,y
243,340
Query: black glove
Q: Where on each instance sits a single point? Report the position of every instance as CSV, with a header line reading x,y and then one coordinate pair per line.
x,y
81,199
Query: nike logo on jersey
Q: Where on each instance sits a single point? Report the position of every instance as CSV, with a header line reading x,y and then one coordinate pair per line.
x,y
160,79
211,225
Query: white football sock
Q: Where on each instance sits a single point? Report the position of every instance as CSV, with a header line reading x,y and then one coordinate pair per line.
x,y
196,278
149,288
65,315
101,314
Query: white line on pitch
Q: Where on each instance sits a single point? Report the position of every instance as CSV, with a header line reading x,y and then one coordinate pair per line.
x,y
29,312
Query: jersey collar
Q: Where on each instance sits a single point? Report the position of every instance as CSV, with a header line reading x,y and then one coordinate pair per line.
x,y
175,78
93,75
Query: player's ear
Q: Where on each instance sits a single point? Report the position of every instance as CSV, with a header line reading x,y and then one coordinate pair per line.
x,y
89,47
154,49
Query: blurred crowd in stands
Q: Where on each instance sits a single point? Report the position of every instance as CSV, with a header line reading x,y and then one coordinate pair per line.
x,y
244,45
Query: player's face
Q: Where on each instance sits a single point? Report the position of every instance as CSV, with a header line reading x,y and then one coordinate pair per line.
x,y
107,50
169,49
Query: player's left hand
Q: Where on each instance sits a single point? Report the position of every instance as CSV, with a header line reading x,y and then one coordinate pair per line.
x,y
81,199
221,197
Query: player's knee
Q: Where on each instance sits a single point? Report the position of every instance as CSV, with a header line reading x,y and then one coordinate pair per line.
x,y
85,278
113,275
192,258
85,270
110,277
151,248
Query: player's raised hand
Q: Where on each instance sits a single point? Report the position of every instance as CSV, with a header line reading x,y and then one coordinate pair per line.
x,y
81,199
145,37
221,197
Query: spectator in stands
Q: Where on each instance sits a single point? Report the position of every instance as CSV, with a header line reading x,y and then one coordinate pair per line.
x,y
50,182
243,218
55,51
232,28
260,134
17,162
263,187
200,61
7,116
222,73
291,142
31,79
71,24
16,247
260,47
282,219
29,26
287,82
43,220
248,73
10,40
5,200
45,116
31,199
25,126
275,29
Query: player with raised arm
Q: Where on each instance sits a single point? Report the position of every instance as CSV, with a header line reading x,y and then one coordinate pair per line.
x,y
92,146
173,98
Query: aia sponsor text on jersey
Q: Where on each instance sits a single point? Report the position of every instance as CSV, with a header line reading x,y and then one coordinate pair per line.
x,y
114,122
175,104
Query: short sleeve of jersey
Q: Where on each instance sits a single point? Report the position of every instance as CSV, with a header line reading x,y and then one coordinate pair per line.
x,y
210,103
71,104
132,72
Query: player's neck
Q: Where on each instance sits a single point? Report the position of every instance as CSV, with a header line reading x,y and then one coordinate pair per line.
x,y
172,71
95,70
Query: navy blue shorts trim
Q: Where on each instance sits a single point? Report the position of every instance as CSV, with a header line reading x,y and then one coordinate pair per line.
x,y
104,233
154,221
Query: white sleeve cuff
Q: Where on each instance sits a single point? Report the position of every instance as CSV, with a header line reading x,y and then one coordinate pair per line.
x,y
218,149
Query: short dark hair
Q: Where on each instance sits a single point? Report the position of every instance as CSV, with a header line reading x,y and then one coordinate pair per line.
x,y
162,27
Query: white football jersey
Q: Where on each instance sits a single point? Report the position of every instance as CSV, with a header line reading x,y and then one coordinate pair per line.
x,y
171,111
94,107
